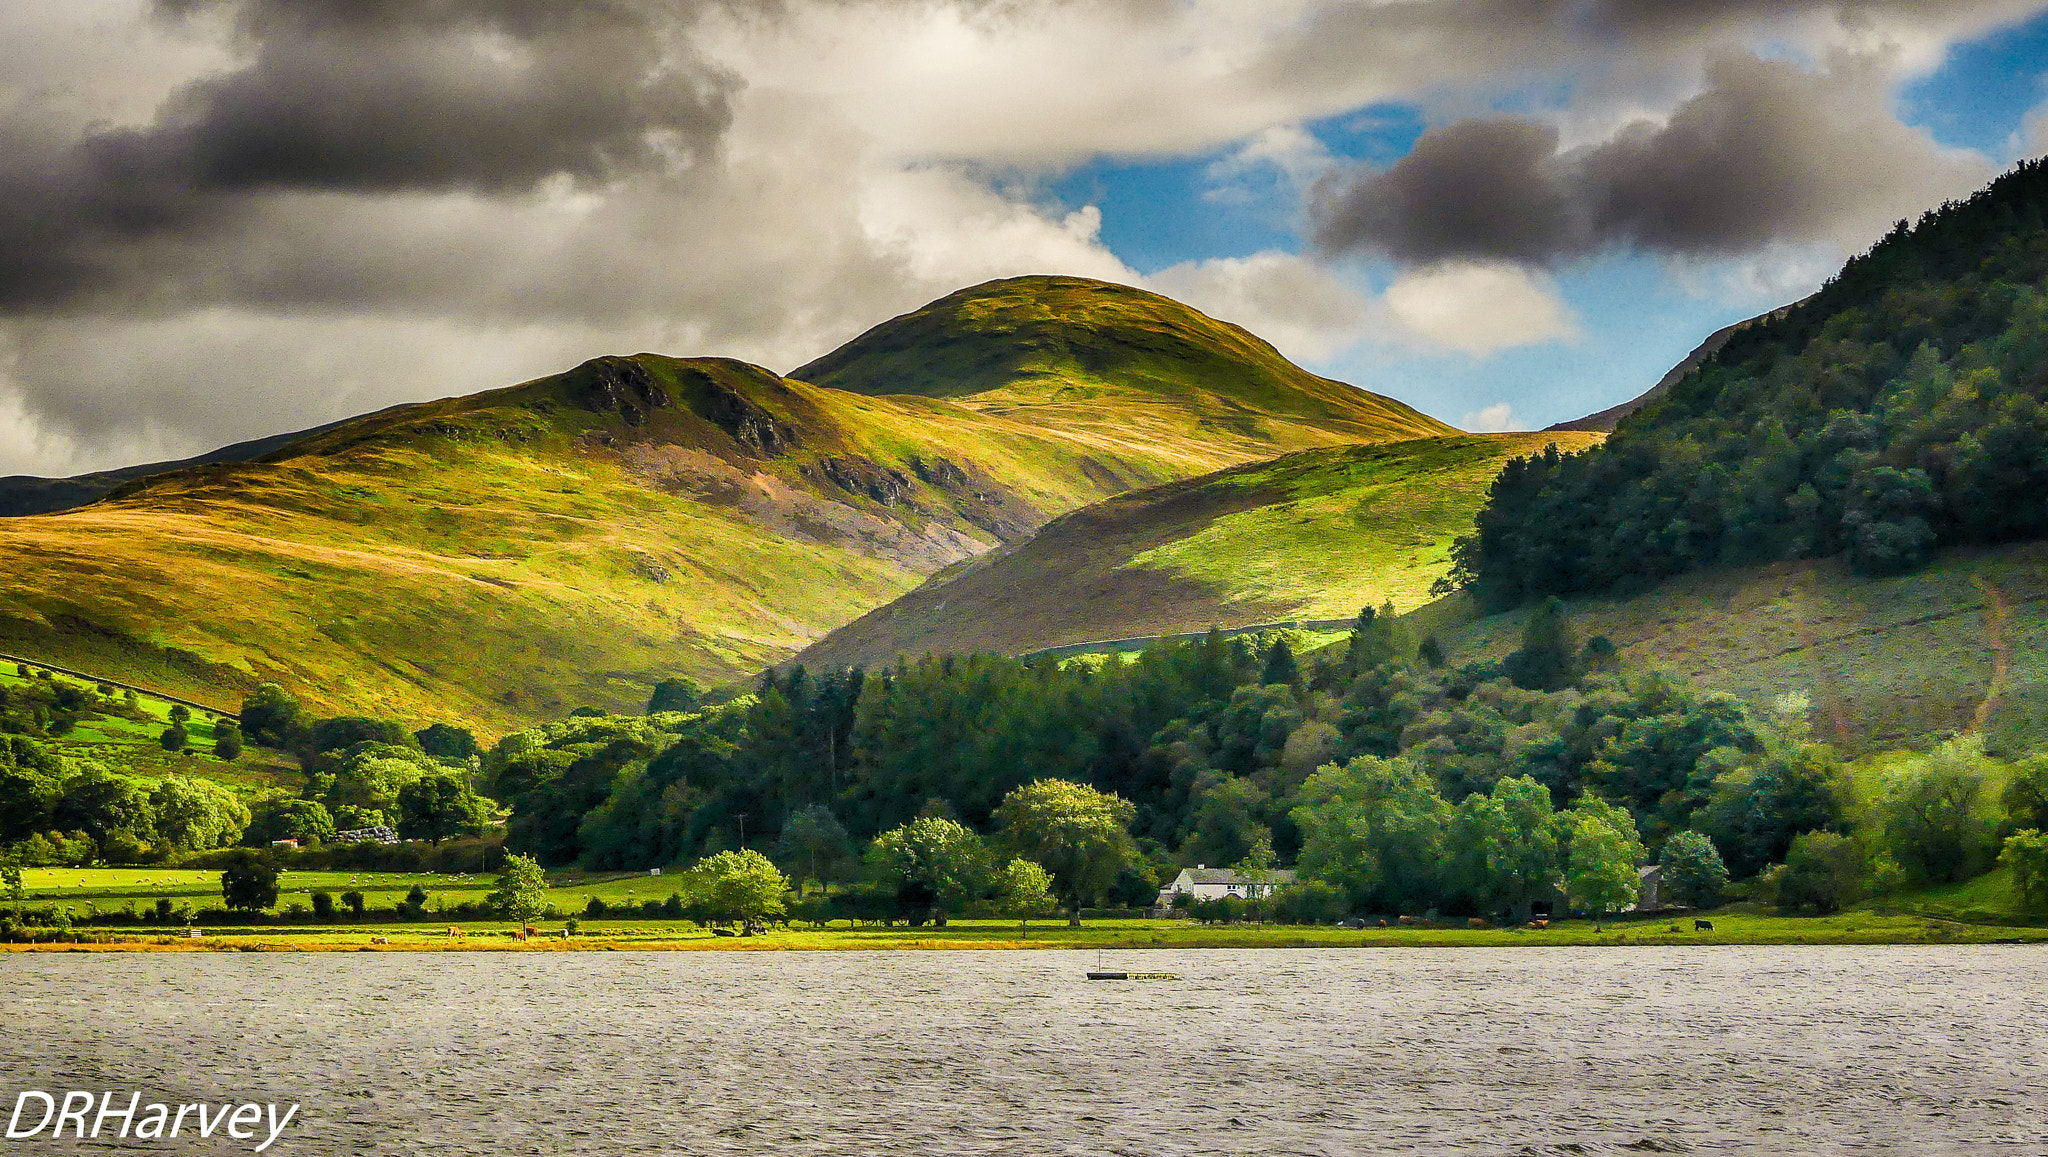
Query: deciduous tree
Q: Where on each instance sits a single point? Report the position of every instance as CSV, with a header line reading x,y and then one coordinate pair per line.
x,y
1073,831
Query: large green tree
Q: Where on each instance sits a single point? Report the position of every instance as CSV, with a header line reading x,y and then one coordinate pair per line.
x,y
249,883
1024,890
1693,872
437,806
107,807
739,885
1602,855
522,891
1514,833
272,717
193,814
1376,828
934,863
1936,814
1075,832
814,841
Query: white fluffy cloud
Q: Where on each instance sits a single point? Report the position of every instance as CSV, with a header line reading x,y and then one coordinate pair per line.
x,y
1479,308
1495,419
1298,305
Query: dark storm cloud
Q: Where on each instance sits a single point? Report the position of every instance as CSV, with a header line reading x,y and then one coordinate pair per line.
x,y
1766,152
355,96
369,95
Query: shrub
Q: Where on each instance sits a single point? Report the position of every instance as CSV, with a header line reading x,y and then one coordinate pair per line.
x,y
2026,853
354,900
323,905
227,741
1310,902
1824,871
1693,873
250,881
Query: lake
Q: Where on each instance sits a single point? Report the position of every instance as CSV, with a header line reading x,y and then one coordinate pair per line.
x,y
1909,1050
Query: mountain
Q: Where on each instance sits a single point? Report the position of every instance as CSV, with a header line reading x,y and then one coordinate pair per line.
x,y
568,541
1847,499
1312,535
1114,363
1899,411
27,494
1606,420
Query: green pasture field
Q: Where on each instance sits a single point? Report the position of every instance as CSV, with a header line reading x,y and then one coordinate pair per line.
x,y
113,887
130,746
1106,935
1926,918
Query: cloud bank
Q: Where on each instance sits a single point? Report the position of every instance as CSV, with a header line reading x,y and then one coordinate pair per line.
x,y
224,218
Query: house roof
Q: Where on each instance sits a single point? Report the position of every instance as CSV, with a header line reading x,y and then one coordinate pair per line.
x,y
1231,876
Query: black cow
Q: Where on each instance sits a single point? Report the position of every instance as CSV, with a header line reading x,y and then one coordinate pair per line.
x,y
1703,925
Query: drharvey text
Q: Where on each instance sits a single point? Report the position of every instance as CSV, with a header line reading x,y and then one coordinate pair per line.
x,y
85,1115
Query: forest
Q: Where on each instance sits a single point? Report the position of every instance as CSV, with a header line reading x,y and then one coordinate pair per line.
x,y
1902,409
1395,781
1390,781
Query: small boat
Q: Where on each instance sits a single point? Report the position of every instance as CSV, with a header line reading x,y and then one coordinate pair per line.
x,y
1101,973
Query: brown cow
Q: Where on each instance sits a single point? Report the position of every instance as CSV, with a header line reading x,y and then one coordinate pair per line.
x,y
380,939
454,933
1477,922
519,934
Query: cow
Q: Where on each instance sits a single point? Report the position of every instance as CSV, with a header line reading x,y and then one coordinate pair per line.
x,y
454,933
380,940
723,932
519,934
1540,922
1477,922
1410,921
1703,925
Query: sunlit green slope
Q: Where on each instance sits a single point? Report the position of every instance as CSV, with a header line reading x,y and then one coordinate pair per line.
x,y
1316,534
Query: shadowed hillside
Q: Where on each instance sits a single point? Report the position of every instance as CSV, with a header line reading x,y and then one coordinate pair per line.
x,y
1316,534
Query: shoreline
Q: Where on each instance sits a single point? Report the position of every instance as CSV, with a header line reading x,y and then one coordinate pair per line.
x,y
1852,929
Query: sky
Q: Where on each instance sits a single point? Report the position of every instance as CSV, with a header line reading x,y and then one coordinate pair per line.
x,y
222,219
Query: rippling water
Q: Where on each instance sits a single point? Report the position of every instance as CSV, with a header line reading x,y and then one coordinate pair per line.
x,y
1324,1052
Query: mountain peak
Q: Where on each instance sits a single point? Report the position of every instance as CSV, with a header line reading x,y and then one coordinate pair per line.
x,y
1045,339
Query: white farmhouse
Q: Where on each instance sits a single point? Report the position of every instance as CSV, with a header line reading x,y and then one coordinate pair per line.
x,y
1203,882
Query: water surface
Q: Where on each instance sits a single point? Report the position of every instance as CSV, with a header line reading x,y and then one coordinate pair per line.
x,y
1853,1050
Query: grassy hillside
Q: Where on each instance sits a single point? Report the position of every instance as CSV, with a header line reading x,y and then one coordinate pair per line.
x,y
125,740
1960,645
1122,365
1316,534
568,541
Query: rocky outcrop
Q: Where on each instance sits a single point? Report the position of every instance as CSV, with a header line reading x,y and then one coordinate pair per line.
x,y
616,385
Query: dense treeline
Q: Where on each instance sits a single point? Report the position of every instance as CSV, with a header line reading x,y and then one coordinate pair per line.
x,y
1901,409
59,808
1226,753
